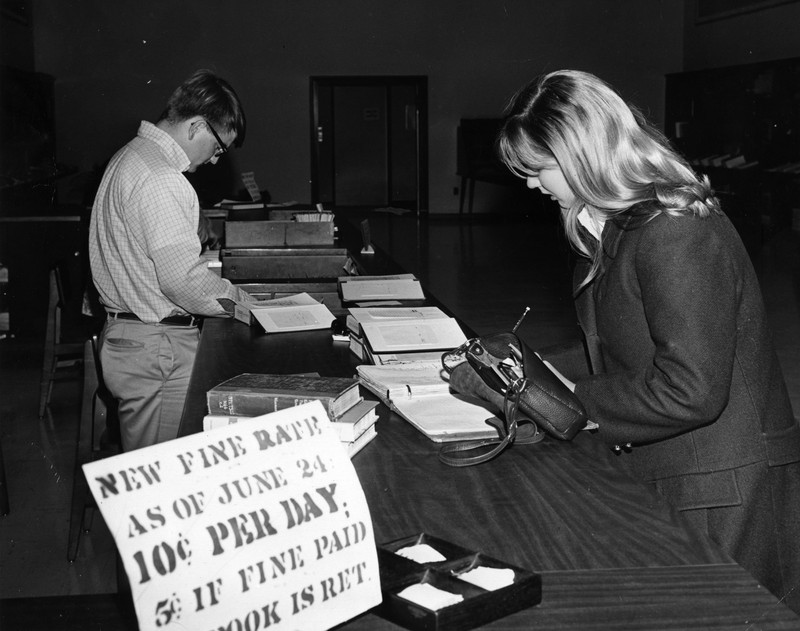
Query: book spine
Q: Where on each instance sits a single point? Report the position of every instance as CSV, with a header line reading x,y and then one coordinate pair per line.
x,y
255,403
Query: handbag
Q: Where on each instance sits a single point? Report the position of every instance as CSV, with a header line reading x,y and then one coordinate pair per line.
x,y
506,373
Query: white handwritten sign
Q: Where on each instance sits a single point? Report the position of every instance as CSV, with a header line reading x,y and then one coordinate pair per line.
x,y
253,526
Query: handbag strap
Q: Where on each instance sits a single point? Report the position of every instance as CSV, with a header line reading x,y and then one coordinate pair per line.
x,y
461,454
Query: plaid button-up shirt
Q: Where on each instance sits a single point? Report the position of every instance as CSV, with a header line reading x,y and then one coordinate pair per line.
x,y
143,243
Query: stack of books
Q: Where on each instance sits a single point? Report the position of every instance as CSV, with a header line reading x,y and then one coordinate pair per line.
x,y
254,394
391,335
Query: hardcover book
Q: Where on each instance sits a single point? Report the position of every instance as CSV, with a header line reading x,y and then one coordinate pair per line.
x,y
399,336
253,394
355,421
366,437
379,288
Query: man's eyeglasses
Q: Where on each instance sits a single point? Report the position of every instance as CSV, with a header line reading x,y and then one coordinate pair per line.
x,y
222,147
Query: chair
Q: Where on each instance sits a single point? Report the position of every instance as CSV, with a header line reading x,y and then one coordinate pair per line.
x,y
67,330
98,437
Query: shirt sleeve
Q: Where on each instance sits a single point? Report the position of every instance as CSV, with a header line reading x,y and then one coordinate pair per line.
x,y
685,278
185,279
170,221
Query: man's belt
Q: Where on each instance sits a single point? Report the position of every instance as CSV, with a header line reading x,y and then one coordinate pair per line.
x,y
177,320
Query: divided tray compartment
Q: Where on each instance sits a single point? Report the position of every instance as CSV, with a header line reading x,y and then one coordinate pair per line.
x,y
480,606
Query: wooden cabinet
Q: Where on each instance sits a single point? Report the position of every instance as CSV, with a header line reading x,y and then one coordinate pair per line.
x,y
741,126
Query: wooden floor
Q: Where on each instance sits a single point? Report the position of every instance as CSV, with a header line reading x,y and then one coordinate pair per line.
x,y
487,270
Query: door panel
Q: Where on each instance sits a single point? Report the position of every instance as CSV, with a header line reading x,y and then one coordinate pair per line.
x,y
369,142
403,150
360,145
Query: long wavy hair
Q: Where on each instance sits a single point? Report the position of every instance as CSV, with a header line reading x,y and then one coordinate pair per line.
x,y
612,158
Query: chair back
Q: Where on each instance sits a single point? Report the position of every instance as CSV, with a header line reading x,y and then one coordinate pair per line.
x,y
61,277
107,422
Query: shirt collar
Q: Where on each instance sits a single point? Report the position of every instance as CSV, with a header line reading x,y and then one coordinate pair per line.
x,y
172,150
592,224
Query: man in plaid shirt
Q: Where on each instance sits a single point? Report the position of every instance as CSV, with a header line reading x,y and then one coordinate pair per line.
x,y
145,257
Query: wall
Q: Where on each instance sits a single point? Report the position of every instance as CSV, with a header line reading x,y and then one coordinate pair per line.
x,y
16,36
762,35
115,63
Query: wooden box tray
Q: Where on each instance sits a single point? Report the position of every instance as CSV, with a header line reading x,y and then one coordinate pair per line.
x,y
259,234
283,264
478,607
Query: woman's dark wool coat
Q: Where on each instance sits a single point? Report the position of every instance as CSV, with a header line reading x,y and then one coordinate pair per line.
x,y
685,385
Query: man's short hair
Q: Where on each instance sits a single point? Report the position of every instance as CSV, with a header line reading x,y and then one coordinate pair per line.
x,y
207,95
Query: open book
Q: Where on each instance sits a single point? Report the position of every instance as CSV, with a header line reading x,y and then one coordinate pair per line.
x,y
299,312
357,316
421,395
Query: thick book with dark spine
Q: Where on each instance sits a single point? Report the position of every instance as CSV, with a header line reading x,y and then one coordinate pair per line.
x,y
253,394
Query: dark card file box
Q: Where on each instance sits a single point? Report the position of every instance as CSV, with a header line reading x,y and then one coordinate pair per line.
x,y
479,605
264,264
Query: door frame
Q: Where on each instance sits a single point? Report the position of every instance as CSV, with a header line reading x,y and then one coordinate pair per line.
x,y
319,85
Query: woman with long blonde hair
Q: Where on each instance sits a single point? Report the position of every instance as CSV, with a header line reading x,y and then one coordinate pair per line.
x,y
676,367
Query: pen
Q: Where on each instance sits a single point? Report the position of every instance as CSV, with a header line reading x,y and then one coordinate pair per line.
x,y
524,313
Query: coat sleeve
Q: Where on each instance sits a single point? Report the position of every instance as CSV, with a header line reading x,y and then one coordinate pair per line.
x,y
672,373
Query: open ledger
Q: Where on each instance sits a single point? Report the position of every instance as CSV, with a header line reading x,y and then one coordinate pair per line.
x,y
420,394
299,312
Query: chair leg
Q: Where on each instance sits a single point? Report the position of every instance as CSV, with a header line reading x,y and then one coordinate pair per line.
x,y
5,508
80,490
471,195
48,371
81,495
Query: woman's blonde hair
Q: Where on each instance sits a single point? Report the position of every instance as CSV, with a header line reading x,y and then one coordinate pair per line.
x,y
612,158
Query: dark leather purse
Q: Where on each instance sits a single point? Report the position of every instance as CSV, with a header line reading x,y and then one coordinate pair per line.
x,y
506,373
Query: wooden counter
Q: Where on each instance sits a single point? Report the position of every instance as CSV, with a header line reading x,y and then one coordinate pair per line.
x,y
611,554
